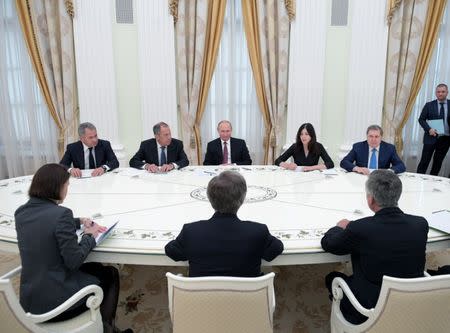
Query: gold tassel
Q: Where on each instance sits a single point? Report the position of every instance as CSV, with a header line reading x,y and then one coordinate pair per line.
x,y
192,141
61,142
393,6
273,140
290,8
173,9
69,7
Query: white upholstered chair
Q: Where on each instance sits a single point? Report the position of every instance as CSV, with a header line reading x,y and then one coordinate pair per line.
x,y
14,319
221,304
404,305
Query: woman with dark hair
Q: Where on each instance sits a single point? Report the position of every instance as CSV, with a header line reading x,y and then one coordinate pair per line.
x,y
52,258
306,152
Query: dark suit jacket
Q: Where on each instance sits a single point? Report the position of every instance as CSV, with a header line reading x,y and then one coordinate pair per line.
x,y
104,155
302,160
148,153
389,243
429,112
239,152
387,157
50,254
224,246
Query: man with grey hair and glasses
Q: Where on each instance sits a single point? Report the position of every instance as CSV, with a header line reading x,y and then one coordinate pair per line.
x,y
372,154
388,243
89,152
161,154
224,245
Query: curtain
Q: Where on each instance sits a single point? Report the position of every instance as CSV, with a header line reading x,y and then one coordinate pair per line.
x,y
404,40
28,136
48,31
438,72
232,94
198,29
267,31
216,14
432,24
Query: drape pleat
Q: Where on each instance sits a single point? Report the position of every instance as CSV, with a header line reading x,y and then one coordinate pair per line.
x,y
23,11
214,27
198,30
48,32
250,16
267,29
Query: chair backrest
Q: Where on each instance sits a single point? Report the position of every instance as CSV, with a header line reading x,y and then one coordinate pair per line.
x,y
14,319
12,316
412,305
221,304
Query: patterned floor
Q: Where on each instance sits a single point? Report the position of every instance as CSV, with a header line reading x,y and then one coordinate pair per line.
x,y
301,297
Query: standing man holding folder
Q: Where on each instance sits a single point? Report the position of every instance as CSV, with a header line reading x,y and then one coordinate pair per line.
x,y
435,120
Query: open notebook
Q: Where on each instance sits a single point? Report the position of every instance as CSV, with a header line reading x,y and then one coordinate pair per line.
x,y
102,236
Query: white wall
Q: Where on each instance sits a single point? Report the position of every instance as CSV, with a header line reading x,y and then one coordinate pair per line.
x,y
336,78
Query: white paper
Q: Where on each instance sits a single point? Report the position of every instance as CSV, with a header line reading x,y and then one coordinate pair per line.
x,y
202,173
331,171
86,173
131,172
440,220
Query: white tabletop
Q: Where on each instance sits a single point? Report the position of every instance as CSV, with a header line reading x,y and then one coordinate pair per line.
x,y
298,208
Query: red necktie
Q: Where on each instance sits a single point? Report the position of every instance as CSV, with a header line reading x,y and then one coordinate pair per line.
x,y
225,153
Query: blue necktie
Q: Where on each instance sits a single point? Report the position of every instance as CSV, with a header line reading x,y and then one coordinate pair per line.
x,y
163,156
373,159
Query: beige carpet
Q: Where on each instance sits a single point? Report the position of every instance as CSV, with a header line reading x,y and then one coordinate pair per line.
x,y
301,297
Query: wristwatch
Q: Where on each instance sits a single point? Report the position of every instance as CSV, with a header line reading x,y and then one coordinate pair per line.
x,y
104,168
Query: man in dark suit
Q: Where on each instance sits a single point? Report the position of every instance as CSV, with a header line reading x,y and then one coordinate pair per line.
x,y
224,245
434,142
389,243
89,152
372,154
225,149
160,154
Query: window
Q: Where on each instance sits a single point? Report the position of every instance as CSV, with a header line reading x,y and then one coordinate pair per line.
x,y
28,135
232,95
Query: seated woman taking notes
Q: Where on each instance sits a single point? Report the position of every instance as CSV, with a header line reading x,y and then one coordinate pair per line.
x,y
53,267
306,152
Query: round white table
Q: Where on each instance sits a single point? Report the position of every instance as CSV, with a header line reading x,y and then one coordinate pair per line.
x,y
298,208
